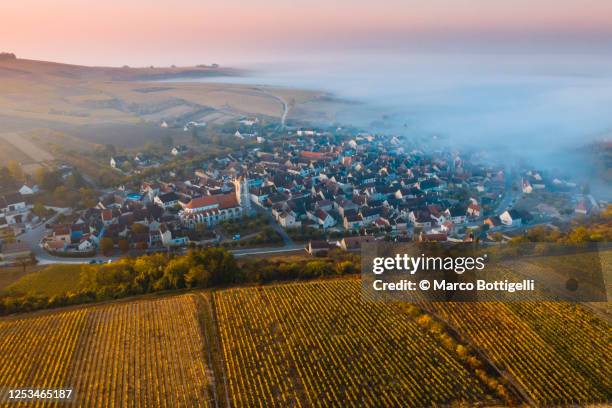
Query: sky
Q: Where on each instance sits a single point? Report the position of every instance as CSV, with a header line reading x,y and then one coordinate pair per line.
x,y
185,32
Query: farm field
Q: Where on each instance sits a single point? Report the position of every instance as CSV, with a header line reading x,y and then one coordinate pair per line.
x,y
304,344
140,353
308,344
53,280
10,275
557,352
36,153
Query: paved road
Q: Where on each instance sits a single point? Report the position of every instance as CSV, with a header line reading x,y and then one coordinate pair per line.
x,y
262,251
509,198
33,237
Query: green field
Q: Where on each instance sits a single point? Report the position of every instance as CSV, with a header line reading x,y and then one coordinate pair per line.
x,y
51,281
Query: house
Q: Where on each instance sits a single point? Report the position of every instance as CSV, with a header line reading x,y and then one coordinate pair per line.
x,y
352,220
249,121
511,218
447,226
167,200
14,252
86,245
143,159
354,243
473,210
288,220
165,235
420,218
28,189
210,210
318,248
117,162
56,246
370,214
526,186
179,150
583,207
12,203
62,233
107,216
322,218
457,214
493,221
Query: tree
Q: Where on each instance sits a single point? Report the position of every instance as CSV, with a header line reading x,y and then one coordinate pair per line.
x,y
46,179
39,209
317,268
24,261
15,170
60,194
76,180
106,246
89,197
197,276
139,228
123,245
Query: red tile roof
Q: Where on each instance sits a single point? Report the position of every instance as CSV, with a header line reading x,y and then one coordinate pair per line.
x,y
223,201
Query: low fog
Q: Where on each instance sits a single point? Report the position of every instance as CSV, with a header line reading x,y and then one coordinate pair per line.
x,y
526,106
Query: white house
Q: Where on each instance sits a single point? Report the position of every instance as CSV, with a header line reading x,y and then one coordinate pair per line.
x,y
288,220
29,190
322,218
511,218
167,200
178,150
117,162
526,186
86,245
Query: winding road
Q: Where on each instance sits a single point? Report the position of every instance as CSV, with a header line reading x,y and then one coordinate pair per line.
x,y
282,101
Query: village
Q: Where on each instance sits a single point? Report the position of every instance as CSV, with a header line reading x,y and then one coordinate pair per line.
x,y
293,189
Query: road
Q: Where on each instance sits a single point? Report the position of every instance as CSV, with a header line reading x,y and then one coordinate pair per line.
x,y
510,197
33,237
263,251
282,101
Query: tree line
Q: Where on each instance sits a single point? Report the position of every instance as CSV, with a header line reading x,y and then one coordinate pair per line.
x,y
199,268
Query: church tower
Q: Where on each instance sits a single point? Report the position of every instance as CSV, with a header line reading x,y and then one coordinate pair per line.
x,y
241,185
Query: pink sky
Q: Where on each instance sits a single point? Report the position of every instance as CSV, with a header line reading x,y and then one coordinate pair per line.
x,y
142,32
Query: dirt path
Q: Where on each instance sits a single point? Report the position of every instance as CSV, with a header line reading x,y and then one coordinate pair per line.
x,y
36,153
282,102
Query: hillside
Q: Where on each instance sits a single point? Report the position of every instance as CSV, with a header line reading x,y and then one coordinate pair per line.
x,y
106,102
299,343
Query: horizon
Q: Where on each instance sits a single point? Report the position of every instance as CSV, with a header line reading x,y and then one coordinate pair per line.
x,y
186,32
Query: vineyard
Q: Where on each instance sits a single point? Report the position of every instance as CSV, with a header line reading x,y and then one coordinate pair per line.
x,y
318,343
143,353
558,353
309,344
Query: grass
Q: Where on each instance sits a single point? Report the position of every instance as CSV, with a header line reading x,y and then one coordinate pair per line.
x,y
50,281
10,275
